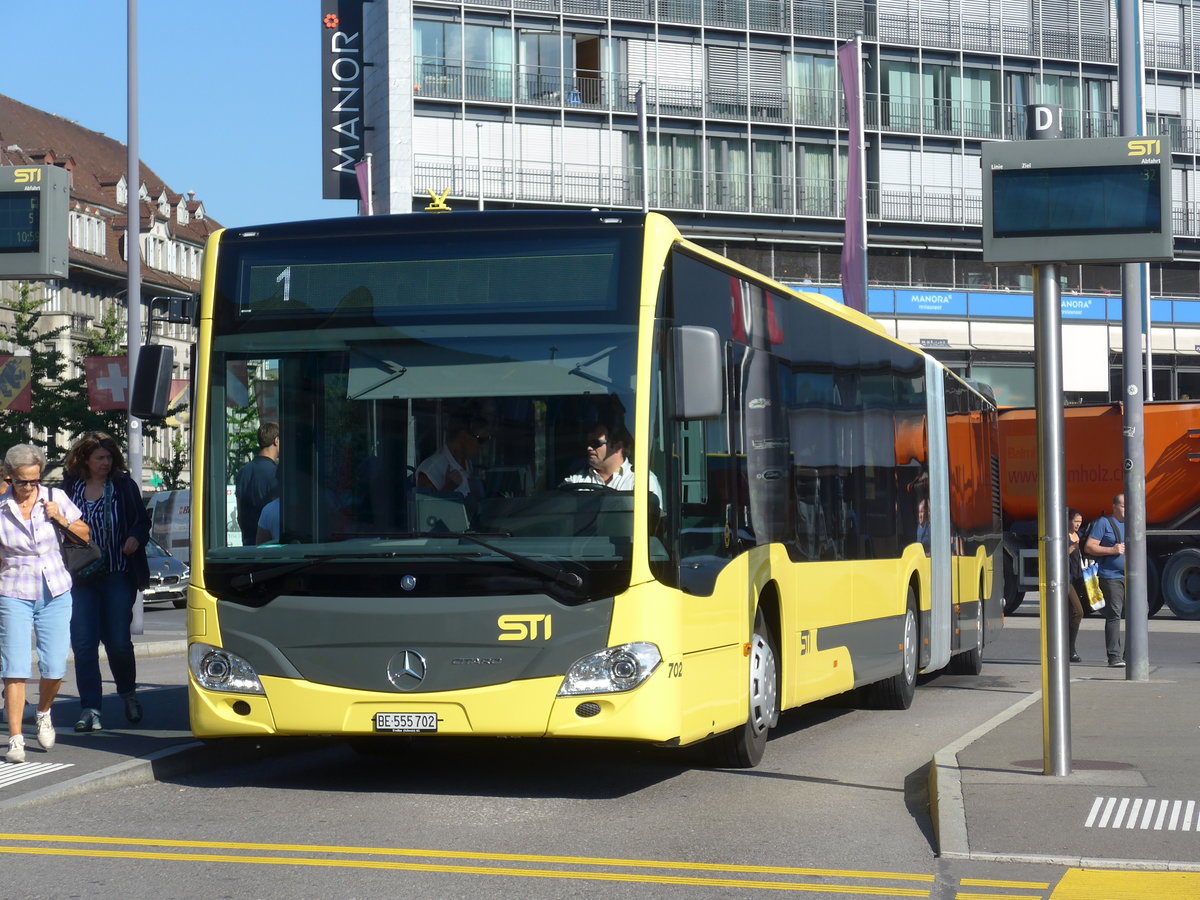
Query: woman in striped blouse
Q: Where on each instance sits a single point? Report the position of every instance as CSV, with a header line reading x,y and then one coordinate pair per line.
x,y
112,506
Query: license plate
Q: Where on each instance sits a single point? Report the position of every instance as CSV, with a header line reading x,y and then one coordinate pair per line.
x,y
406,722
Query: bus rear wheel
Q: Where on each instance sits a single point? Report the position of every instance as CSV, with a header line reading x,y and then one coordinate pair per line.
x,y
743,747
1013,595
971,662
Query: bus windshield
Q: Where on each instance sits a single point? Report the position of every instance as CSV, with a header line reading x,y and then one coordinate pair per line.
x,y
411,432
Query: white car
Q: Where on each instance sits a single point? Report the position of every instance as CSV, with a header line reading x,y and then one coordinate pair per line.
x,y
168,577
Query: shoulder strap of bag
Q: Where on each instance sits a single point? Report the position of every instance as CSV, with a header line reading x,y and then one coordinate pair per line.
x,y
1116,533
58,529
61,529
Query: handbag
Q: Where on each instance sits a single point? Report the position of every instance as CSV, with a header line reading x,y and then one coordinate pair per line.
x,y
82,558
1091,581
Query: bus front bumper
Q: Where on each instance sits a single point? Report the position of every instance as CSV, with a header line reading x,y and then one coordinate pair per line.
x,y
529,708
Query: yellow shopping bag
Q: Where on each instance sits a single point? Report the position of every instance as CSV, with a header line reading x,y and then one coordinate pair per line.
x,y
1091,580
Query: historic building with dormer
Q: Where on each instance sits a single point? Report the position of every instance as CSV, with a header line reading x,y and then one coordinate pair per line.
x,y
172,230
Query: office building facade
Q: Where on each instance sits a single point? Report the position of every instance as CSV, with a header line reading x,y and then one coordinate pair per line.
x,y
532,103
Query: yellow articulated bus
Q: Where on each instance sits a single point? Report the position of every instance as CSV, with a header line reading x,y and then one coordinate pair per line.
x,y
568,475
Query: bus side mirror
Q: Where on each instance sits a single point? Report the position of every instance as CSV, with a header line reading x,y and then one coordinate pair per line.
x,y
151,394
699,374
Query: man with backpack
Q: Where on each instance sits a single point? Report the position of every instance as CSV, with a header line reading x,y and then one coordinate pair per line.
x,y
1106,544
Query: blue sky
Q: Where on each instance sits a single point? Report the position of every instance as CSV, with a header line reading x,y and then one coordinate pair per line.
x,y
229,98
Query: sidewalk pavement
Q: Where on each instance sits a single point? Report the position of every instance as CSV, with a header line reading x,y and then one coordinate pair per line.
x,y
1130,801
161,745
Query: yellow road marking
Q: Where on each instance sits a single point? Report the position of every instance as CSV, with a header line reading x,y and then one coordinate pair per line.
x,y
468,854
991,882
471,870
961,896
1087,884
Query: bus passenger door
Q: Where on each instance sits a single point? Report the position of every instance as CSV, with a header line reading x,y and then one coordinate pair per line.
x,y
940,555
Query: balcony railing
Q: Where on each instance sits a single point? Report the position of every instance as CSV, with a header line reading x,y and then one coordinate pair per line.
x,y
842,18
435,78
755,194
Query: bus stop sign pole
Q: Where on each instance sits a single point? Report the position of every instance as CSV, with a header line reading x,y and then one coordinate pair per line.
x,y
1045,123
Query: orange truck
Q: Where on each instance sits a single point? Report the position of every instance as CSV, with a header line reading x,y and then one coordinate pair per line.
x,y
1094,474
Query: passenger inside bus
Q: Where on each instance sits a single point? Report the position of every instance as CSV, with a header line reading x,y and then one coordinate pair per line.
x,y
451,469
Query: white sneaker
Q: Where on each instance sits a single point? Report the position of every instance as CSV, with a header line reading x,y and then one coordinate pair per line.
x,y
45,730
16,749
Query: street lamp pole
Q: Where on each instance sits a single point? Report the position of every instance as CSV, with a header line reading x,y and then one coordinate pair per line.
x,y
133,242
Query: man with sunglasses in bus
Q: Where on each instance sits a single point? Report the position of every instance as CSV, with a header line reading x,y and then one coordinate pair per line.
x,y
607,463
451,470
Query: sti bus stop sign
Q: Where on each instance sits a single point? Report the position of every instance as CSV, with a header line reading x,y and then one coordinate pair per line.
x,y
33,221
1078,201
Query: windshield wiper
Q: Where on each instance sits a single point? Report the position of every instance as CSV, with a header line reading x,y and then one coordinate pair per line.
x,y
254,579
553,574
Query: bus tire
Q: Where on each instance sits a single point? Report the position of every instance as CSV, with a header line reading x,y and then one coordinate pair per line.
x,y
1154,593
897,692
1181,583
971,662
743,747
1013,595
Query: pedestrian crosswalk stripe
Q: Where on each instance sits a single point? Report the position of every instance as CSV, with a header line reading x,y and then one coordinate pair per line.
x,y
1146,814
12,773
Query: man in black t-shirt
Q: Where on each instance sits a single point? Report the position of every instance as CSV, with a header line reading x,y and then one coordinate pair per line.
x,y
257,482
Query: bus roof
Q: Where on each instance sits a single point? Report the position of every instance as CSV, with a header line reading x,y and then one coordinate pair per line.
x,y
425,223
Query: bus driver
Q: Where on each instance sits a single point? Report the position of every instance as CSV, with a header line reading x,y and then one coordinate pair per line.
x,y
607,464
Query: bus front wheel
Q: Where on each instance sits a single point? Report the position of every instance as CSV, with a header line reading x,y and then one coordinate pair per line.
x,y
743,747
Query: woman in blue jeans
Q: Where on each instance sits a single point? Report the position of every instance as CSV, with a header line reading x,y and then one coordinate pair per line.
x,y
97,482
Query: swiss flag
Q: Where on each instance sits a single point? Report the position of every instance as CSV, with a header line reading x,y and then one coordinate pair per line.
x,y
179,396
107,382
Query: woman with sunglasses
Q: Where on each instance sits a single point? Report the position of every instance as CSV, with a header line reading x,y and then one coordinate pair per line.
x,y
35,592
112,506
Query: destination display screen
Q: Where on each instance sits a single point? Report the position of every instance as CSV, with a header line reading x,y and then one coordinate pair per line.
x,y
1114,199
581,275
20,231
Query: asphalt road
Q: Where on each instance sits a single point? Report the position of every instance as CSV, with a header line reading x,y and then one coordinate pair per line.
x,y
838,808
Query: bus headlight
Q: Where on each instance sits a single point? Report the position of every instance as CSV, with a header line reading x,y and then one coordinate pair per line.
x,y
219,670
611,670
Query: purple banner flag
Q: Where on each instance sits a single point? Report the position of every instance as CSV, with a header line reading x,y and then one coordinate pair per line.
x,y
362,174
854,247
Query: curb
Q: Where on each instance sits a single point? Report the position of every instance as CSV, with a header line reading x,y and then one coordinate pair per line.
x,y
144,650
1082,862
131,772
150,649
945,788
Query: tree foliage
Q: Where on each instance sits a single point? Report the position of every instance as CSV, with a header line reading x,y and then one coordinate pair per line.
x,y
60,404
172,468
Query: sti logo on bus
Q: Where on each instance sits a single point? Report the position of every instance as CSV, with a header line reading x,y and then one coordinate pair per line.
x,y
1145,147
523,628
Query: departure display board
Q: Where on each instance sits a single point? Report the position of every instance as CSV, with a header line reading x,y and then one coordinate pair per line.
x,y
1065,201
20,230
33,222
